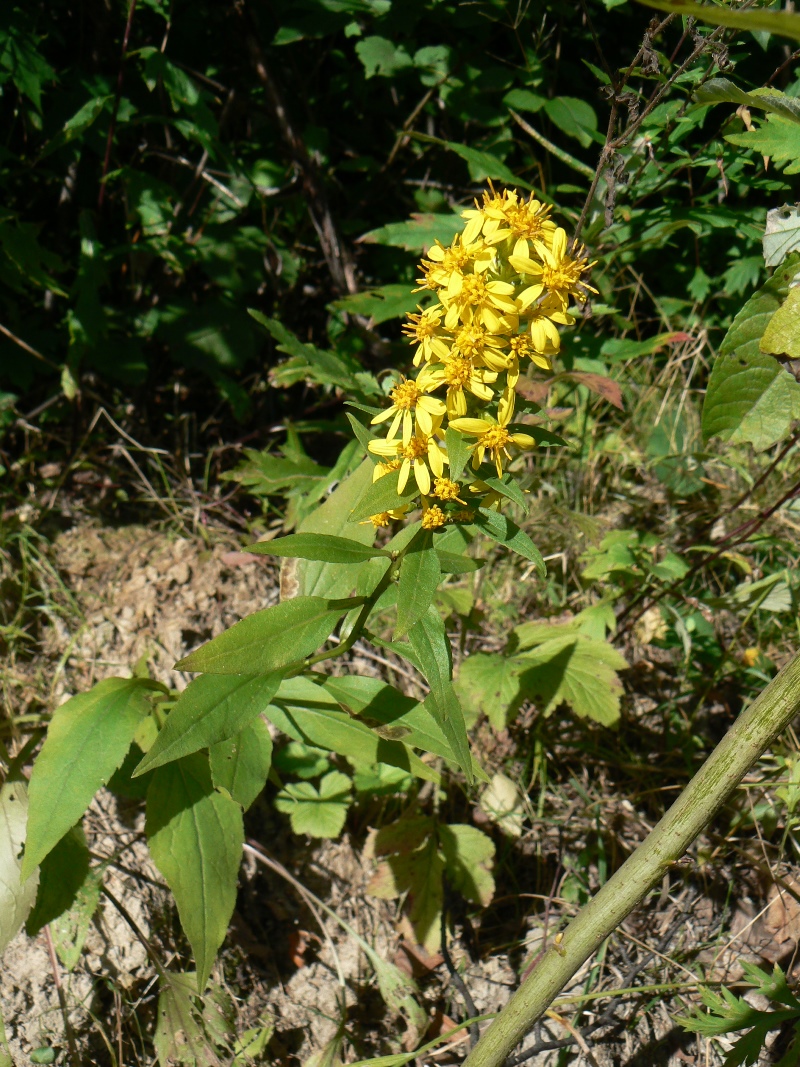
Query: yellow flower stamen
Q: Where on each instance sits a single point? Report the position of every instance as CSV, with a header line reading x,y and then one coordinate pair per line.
x,y
433,518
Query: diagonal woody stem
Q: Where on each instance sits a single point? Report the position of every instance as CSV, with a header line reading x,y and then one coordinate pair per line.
x,y
755,729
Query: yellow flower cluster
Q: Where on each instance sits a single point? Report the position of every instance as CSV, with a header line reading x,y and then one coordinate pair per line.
x,y
503,288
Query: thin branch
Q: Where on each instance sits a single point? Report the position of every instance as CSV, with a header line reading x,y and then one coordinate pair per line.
x,y
115,110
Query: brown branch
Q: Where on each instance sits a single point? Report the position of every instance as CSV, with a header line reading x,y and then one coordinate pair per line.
x,y
337,256
115,111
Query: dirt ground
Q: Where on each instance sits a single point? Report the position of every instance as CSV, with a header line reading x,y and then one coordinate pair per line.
x,y
123,595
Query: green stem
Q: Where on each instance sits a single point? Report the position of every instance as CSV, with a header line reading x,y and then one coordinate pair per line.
x,y
755,729
364,614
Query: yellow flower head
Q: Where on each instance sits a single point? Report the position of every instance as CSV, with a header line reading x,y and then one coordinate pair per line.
x,y
386,518
523,349
459,374
444,489
407,398
418,454
556,272
380,470
493,436
433,518
425,331
505,215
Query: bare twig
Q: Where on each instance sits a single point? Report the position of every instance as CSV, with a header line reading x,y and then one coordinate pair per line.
x,y
62,1000
115,111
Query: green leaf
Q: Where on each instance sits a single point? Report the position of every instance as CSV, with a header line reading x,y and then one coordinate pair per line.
x,y
574,670
315,578
382,57
501,529
782,234
430,643
270,639
76,126
180,1037
240,766
777,138
71,929
61,875
458,453
318,813
416,234
724,91
488,683
325,547
381,304
750,396
379,705
507,486
414,868
210,710
87,740
468,855
307,713
756,20
420,575
382,495
782,335
573,117
450,563
195,836
301,760
483,165
17,893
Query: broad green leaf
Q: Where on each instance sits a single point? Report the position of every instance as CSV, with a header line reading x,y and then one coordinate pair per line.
x,y
380,706
381,56
450,563
270,639
382,495
750,396
776,137
572,116
501,529
317,812
211,709
458,453
724,91
180,1037
195,836
468,854
420,575
429,640
507,487
61,875
17,894
87,740
301,760
782,233
488,683
574,670
307,712
417,233
483,165
783,23
241,764
325,547
382,304
71,928
782,335
80,122
315,578
414,867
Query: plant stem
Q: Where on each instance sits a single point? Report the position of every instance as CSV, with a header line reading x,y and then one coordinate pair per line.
x,y
755,729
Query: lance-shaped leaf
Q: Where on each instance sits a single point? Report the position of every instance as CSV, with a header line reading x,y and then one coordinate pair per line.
x,y
430,643
195,836
271,639
17,894
307,713
383,496
457,452
241,764
501,529
783,23
61,876
507,487
420,575
87,740
324,547
211,709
